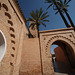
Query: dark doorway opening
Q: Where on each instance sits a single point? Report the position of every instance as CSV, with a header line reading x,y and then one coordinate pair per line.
x,y
63,58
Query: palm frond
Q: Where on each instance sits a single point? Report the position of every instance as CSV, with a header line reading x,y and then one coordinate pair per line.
x,y
56,12
40,12
46,20
43,24
67,5
65,1
49,6
37,13
33,14
44,17
44,14
68,2
32,25
54,7
48,1
30,19
61,1
59,4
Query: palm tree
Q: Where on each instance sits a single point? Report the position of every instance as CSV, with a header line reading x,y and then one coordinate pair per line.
x,y
63,5
37,18
54,3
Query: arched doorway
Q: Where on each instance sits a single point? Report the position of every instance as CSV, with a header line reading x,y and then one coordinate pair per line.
x,y
66,37
2,45
63,58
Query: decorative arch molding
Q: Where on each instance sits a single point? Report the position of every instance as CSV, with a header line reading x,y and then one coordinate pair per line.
x,y
10,25
47,38
2,45
5,6
8,15
56,38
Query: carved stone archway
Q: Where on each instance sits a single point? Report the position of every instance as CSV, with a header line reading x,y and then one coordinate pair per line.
x,y
47,38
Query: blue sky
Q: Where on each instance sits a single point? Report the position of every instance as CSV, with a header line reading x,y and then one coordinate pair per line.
x,y
56,21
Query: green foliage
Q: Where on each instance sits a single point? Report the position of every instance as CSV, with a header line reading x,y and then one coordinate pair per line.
x,y
59,5
63,5
38,17
51,3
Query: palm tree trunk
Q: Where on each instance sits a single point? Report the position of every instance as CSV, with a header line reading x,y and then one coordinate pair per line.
x,y
68,17
38,30
65,21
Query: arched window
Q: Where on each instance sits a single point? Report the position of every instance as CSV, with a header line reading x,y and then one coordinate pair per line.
x,y
2,45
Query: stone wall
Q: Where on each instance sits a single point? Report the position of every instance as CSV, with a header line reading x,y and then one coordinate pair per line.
x,y
30,61
60,55
14,29
49,37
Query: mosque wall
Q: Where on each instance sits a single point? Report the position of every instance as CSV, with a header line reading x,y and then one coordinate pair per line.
x,y
13,26
31,61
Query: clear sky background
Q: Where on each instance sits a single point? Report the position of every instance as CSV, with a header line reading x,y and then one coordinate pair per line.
x,y
56,21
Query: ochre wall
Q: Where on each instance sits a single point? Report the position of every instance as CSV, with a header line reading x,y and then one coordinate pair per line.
x,y
14,29
47,38
59,54
30,61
